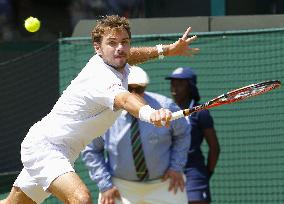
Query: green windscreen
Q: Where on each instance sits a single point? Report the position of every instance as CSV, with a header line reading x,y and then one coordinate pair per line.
x,y
251,165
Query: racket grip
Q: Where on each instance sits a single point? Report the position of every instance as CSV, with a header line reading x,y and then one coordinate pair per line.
x,y
177,115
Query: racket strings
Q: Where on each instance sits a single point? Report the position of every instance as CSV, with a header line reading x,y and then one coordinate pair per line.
x,y
246,92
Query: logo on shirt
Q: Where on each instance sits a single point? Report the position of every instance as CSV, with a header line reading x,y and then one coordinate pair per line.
x,y
113,85
204,195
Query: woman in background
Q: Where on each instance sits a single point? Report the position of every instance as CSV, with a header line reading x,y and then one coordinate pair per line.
x,y
198,172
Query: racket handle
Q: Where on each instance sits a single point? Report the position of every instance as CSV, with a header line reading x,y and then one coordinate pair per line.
x,y
177,115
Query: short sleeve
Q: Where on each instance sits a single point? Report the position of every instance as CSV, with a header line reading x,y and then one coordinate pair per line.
x,y
105,87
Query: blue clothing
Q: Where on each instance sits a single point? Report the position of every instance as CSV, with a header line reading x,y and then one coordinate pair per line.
x,y
197,178
164,148
197,184
198,121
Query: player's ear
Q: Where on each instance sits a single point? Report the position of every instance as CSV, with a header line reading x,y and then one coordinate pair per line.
x,y
97,48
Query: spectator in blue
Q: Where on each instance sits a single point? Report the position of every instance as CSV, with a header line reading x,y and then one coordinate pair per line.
x,y
163,153
198,172
93,9
86,9
6,16
127,8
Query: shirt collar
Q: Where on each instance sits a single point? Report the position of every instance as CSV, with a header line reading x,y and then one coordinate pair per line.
x,y
121,75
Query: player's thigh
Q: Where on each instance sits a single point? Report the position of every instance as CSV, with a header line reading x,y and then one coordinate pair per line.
x,y
17,196
70,188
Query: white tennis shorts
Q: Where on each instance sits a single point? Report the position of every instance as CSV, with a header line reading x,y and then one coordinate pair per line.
x,y
43,162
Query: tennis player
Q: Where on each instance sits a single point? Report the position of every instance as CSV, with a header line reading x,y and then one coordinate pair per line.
x,y
85,110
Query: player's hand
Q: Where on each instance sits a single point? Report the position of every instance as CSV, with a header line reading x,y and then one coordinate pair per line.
x,y
161,117
181,46
109,196
176,180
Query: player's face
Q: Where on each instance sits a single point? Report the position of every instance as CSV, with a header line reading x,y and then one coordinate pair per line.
x,y
180,91
115,48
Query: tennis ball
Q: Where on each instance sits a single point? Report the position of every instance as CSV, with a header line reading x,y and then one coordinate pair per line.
x,y
32,24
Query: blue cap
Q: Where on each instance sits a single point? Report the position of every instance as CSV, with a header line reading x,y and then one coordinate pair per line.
x,y
183,73
189,74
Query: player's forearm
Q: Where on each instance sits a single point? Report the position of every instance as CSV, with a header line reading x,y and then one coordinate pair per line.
x,y
177,48
136,106
143,54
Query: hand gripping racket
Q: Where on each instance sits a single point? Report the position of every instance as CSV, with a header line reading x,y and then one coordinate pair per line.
x,y
231,97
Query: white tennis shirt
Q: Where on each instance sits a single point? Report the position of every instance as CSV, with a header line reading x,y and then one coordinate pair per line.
x,y
85,110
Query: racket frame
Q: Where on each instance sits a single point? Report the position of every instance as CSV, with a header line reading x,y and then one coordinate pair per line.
x,y
228,99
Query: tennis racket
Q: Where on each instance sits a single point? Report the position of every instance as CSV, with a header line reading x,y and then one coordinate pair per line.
x,y
231,97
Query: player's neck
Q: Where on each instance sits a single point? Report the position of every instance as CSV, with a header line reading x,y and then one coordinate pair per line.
x,y
119,69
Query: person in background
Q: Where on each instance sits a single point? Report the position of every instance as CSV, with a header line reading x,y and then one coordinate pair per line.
x,y
86,9
6,15
127,8
198,172
162,154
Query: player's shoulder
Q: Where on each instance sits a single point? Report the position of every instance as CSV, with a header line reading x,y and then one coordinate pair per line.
x,y
96,63
94,66
94,60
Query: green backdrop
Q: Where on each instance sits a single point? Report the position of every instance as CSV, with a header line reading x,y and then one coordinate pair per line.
x,y
251,165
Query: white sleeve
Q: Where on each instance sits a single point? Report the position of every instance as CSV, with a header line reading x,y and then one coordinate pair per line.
x,y
105,88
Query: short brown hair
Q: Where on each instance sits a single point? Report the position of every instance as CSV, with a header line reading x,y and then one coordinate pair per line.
x,y
109,22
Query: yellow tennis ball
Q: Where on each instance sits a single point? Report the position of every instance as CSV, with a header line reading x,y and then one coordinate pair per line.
x,y
32,24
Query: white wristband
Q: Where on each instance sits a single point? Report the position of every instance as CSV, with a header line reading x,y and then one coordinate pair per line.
x,y
145,113
160,51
